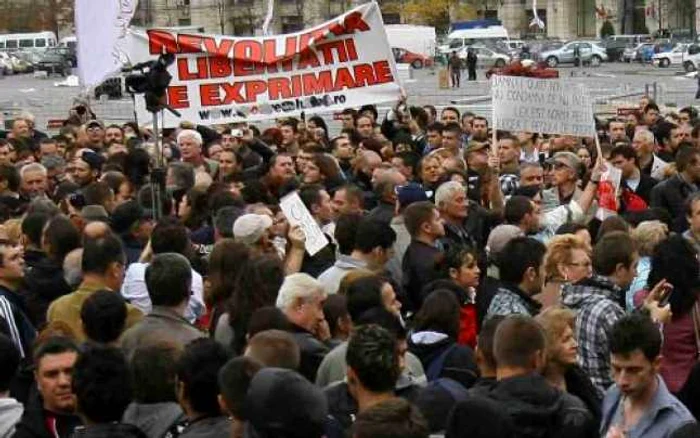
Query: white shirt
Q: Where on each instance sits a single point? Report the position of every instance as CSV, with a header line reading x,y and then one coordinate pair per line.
x,y
134,290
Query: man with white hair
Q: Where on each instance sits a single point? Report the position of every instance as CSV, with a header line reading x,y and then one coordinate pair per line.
x,y
466,222
34,180
301,299
190,143
649,162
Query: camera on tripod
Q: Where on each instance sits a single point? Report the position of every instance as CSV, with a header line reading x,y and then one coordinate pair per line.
x,y
152,81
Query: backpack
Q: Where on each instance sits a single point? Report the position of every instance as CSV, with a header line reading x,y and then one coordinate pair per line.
x,y
437,364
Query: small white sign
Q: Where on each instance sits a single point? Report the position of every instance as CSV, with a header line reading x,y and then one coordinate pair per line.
x,y
548,106
297,214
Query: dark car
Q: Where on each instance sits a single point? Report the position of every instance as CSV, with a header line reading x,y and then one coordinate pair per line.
x,y
54,63
614,48
67,52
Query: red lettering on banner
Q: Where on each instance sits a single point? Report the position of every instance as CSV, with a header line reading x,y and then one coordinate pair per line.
x,y
160,41
177,97
327,52
220,67
279,88
351,49
233,93
354,22
382,72
364,75
308,58
189,43
271,58
253,89
249,56
184,73
343,79
222,49
313,84
296,86
209,94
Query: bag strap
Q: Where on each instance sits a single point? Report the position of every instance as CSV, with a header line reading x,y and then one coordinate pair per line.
x,y
696,326
437,364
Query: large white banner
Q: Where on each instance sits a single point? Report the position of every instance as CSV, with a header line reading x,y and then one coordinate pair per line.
x,y
101,29
548,106
346,62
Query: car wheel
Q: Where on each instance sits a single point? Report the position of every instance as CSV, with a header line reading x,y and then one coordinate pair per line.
x,y
595,61
688,66
417,64
500,63
552,61
664,62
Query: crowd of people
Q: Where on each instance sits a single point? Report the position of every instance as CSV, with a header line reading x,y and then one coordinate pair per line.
x,y
468,288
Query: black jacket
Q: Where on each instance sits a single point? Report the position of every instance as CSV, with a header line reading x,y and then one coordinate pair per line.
x,y
420,266
27,333
578,383
109,430
539,410
312,352
459,363
671,195
44,282
33,423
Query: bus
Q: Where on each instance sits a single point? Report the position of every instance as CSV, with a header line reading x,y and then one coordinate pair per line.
x,y
27,41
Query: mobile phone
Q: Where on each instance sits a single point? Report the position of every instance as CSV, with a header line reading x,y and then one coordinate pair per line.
x,y
666,295
237,133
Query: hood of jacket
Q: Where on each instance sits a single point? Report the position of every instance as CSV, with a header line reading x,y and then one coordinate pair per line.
x,y
531,402
109,430
428,344
211,427
461,294
10,413
590,291
154,419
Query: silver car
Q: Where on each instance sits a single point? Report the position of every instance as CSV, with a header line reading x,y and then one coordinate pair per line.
x,y
589,52
486,57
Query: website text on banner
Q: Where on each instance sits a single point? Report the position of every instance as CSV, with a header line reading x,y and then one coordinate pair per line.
x,y
346,62
547,106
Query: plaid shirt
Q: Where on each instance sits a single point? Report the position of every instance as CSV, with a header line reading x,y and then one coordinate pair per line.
x,y
595,301
510,300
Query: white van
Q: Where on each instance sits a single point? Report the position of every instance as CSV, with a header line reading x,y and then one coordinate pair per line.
x,y
461,38
69,41
28,41
416,39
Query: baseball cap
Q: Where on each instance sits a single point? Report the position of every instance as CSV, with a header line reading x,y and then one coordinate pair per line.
x,y
92,159
126,214
92,123
474,146
281,402
410,193
249,228
569,159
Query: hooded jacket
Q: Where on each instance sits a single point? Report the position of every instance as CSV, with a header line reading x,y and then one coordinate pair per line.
x,y
509,300
109,430
153,419
596,303
459,364
44,283
10,413
539,410
467,310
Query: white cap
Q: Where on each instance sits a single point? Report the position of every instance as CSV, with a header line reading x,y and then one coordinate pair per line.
x,y
249,228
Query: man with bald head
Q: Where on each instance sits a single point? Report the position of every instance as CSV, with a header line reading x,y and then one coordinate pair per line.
x,y
367,162
649,162
385,186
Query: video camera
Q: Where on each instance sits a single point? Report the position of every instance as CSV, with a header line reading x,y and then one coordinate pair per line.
x,y
152,81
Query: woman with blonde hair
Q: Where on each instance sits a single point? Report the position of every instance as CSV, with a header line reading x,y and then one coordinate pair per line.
x,y
561,369
646,236
568,260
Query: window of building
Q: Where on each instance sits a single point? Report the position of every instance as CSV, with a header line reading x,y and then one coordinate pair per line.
x,y
184,22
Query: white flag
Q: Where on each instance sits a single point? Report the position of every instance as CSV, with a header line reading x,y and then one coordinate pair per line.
x,y
101,30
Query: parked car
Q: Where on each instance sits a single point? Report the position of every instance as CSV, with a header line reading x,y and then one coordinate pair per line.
x,y
642,52
486,57
67,52
676,56
589,53
6,67
54,63
614,48
417,60
20,65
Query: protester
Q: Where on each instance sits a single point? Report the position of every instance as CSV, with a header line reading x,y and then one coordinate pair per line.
x,y
639,403
10,409
393,418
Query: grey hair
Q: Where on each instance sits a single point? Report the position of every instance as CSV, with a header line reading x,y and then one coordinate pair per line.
x,y
73,268
646,134
190,133
33,167
446,191
295,287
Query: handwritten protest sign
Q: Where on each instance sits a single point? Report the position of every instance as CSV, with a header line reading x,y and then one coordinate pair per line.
x,y
345,62
548,106
297,214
